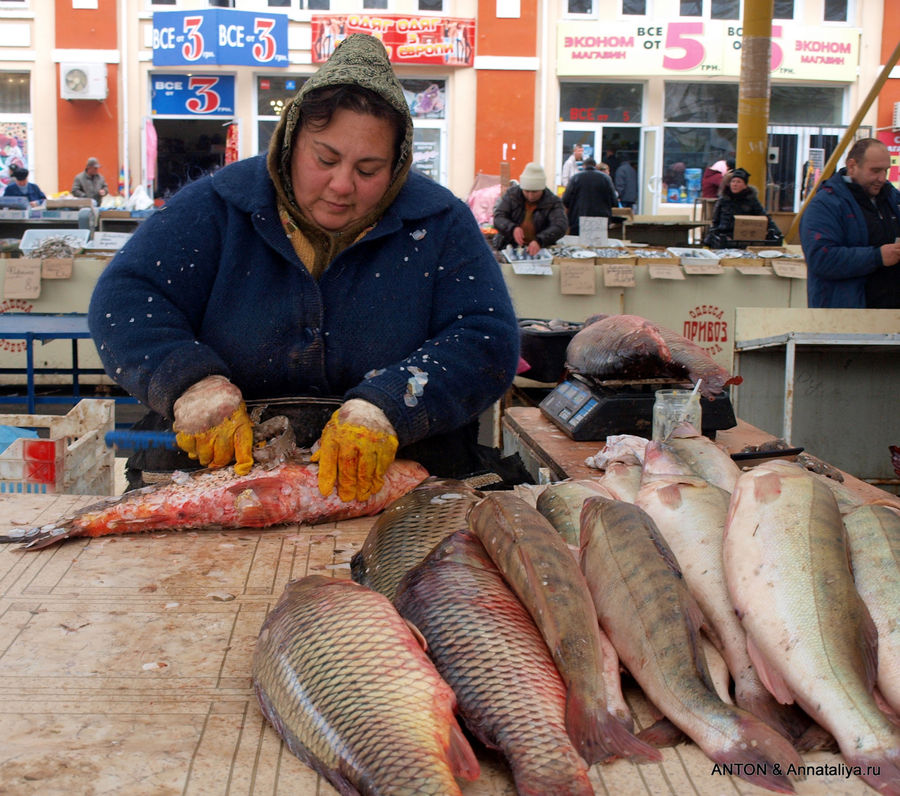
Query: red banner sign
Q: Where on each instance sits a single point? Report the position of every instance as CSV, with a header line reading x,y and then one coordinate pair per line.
x,y
437,41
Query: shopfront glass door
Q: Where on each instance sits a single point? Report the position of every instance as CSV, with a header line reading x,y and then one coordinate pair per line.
x,y
794,155
649,178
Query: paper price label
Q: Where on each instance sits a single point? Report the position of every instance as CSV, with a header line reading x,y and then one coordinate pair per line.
x,y
789,270
755,270
23,279
534,269
702,268
665,271
618,275
57,267
577,279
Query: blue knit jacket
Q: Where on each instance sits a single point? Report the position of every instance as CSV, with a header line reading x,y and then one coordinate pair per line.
x,y
835,242
415,317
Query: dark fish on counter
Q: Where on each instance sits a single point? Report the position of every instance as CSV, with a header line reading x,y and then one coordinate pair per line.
x,y
654,622
545,576
409,529
346,684
488,649
632,347
287,493
810,635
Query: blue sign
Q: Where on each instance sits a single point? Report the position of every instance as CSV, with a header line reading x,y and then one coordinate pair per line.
x,y
219,36
192,95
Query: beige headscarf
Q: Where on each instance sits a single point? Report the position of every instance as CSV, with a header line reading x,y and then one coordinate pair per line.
x,y
358,60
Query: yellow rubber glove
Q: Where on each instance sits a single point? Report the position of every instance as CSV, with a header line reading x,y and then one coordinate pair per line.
x,y
357,446
212,425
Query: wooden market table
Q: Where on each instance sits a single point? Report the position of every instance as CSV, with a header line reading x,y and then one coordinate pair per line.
x,y
126,668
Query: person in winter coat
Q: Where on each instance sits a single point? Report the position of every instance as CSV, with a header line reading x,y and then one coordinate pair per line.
x,y
711,181
850,232
626,183
325,269
90,183
21,187
590,193
737,199
529,214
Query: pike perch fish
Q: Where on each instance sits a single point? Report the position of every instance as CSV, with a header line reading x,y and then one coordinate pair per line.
x,y
488,649
287,493
809,633
346,684
544,575
690,514
561,504
873,533
654,622
629,346
409,529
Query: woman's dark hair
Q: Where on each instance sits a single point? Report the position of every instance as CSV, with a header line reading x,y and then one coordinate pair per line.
x,y
319,106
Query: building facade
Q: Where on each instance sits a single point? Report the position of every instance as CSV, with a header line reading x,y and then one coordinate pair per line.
x,y
162,91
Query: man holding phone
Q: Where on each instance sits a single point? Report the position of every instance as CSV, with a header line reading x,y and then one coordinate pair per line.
x,y
850,234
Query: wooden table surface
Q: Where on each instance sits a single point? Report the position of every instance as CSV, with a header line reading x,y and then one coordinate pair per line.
x,y
126,660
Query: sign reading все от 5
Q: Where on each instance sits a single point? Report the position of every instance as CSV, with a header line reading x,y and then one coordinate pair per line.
x,y
201,95
220,36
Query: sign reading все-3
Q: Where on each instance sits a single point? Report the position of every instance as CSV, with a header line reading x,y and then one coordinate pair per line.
x,y
200,95
219,36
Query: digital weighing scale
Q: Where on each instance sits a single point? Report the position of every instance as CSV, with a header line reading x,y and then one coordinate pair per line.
x,y
590,410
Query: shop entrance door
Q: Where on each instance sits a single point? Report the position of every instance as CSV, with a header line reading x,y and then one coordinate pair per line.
x,y
649,178
610,144
186,150
790,169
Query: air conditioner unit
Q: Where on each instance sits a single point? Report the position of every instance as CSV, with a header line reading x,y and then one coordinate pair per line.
x,y
82,81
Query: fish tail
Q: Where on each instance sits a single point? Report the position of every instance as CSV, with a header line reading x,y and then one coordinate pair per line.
x,y
460,755
760,756
599,736
662,733
882,773
788,720
36,538
577,784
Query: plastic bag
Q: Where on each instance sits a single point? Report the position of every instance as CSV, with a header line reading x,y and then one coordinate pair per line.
x,y
139,199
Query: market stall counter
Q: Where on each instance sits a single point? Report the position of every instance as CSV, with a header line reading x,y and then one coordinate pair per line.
x,y
126,667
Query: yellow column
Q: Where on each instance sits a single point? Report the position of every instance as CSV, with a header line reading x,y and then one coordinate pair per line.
x,y
753,97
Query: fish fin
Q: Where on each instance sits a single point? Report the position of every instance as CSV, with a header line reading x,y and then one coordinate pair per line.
x,y
460,756
598,735
662,734
417,635
755,756
256,499
37,538
816,739
887,779
892,716
358,569
771,679
869,645
766,487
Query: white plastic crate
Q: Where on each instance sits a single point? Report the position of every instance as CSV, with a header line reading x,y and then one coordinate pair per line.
x,y
70,456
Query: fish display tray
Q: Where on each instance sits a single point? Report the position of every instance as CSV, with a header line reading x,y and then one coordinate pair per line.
x,y
69,456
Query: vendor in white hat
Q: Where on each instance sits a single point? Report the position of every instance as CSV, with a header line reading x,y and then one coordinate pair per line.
x,y
529,214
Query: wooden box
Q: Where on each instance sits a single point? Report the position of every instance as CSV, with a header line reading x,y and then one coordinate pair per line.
x,y
750,227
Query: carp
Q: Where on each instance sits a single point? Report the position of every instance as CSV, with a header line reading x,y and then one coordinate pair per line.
x,y
545,576
287,493
347,685
654,622
873,533
408,530
809,633
488,649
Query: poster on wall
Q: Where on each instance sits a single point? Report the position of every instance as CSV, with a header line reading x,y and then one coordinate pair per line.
x,y
438,41
13,149
891,139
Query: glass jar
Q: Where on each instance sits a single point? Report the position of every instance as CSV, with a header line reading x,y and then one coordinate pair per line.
x,y
672,407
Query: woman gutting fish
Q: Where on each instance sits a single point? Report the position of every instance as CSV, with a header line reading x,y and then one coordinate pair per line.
x,y
327,268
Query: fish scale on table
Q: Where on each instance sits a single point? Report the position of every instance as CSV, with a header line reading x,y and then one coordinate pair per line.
x,y
488,649
347,685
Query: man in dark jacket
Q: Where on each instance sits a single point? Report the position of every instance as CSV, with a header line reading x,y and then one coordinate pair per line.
x,y
738,199
589,193
850,232
529,214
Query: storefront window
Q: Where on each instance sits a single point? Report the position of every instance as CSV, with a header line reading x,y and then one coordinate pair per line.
x,y
15,92
634,7
580,6
691,8
807,105
427,100
725,9
687,148
273,93
836,10
701,102
784,9
600,102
